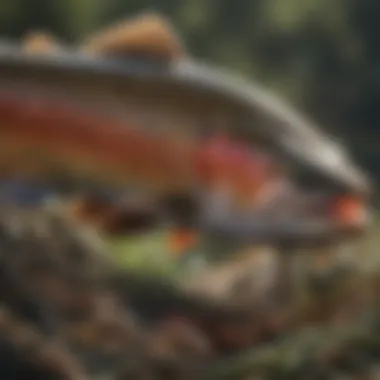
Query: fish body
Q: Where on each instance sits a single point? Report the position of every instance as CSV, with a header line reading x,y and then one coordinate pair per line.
x,y
171,125
192,97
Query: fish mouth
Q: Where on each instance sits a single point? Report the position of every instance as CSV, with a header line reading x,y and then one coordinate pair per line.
x,y
295,213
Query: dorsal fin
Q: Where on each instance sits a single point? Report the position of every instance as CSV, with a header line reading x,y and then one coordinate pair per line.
x,y
148,35
40,43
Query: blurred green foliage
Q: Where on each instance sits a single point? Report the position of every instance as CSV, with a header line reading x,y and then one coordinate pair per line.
x,y
144,253
324,55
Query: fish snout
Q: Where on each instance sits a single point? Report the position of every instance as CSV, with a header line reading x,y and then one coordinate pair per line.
x,y
352,214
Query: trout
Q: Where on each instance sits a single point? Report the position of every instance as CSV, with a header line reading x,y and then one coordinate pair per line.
x,y
129,107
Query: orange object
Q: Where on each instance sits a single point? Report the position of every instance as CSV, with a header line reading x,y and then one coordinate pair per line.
x,y
148,34
223,162
350,210
180,240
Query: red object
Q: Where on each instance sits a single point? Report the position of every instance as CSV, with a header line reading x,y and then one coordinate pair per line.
x,y
221,161
182,240
349,210
214,161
